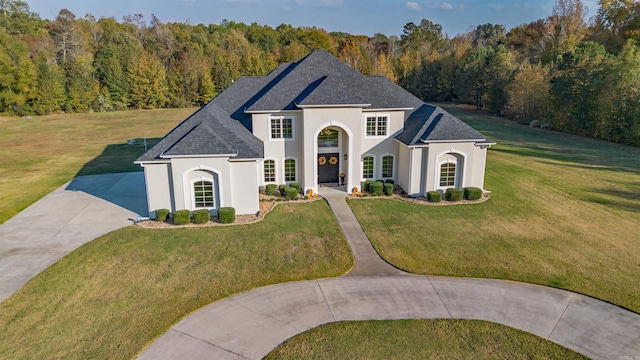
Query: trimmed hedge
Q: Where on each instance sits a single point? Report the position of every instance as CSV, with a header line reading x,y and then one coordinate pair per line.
x,y
453,194
226,215
162,214
388,189
376,188
296,186
181,217
291,193
201,216
434,196
270,189
282,189
367,185
389,181
472,193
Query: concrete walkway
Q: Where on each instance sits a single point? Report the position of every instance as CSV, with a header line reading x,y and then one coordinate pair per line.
x,y
251,324
79,211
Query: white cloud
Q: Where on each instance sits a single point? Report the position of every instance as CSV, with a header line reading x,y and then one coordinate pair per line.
x,y
411,5
442,5
446,6
496,7
320,3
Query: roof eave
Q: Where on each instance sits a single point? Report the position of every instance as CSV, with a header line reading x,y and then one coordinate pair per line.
x,y
450,141
197,156
333,106
388,109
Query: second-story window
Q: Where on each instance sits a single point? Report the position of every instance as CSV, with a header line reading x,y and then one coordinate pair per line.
x,y
281,128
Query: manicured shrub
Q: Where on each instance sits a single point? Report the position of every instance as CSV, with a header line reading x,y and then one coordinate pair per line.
x,y
388,189
291,193
161,214
453,194
434,196
226,215
376,188
472,193
282,189
181,217
389,181
367,185
270,189
296,186
201,216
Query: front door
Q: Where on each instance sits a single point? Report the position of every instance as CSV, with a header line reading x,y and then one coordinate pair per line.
x,y
328,168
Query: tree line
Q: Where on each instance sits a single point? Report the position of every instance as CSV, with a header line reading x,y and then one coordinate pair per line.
x,y
566,72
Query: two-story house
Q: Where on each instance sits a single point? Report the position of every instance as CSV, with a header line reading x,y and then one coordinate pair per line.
x,y
307,122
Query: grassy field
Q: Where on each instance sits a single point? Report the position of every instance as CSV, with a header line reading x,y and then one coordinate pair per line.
x,y
419,339
113,296
40,154
564,212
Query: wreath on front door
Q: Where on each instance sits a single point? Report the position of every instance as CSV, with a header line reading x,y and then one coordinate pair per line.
x,y
333,160
322,160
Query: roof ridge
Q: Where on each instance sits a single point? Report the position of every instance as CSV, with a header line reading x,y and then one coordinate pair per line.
x,y
426,124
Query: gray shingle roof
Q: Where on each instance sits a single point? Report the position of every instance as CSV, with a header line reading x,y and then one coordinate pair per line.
x,y
223,126
322,79
431,123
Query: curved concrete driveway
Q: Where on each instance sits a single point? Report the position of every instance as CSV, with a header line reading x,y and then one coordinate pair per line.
x,y
77,212
250,325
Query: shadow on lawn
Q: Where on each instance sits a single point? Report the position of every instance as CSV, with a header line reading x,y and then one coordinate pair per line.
x,y
112,176
624,200
117,158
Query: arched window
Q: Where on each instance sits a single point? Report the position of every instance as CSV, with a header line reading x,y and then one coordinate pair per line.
x,y
290,170
269,171
367,167
387,166
448,174
203,194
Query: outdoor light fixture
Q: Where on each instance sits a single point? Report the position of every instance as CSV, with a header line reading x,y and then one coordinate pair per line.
x,y
345,157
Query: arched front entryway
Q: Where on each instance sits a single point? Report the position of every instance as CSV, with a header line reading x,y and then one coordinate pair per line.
x,y
333,144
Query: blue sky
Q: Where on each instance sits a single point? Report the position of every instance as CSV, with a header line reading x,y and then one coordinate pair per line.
x,y
362,17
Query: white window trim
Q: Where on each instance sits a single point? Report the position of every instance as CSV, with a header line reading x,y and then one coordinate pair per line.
x,y
329,150
275,171
461,172
193,193
187,193
393,167
284,176
376,115
362,167
293,127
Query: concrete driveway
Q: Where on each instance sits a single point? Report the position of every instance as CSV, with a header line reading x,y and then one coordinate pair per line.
x,y
79,211
250,325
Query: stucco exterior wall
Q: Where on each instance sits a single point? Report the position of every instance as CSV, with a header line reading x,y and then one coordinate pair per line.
x,y
159,188
469,174
185,170
244,194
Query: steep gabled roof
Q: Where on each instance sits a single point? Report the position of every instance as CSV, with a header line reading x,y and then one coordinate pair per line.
x,y
431,123
321,79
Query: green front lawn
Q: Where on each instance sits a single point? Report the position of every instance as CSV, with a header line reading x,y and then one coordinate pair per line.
x,y
564,212
40,154
115,295
419,339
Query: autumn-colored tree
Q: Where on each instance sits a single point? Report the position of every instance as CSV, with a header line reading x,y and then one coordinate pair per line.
x,y
17,75
148,82
528,94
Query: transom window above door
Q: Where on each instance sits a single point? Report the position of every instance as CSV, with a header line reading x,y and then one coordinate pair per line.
x,y
281,128
376,125
328,138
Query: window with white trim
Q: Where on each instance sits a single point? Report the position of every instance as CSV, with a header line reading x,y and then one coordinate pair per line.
x,y
281,128
203,194
448,174
269,171
387,166
289,170
376,126
367,167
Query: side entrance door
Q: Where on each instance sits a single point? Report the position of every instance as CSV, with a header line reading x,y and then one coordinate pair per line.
x,y
328,167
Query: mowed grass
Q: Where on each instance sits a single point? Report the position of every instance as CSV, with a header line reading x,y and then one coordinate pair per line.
x,y
564,212
419,339
115,295
40,154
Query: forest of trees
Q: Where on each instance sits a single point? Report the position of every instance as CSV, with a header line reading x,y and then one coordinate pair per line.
x,y
567,72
